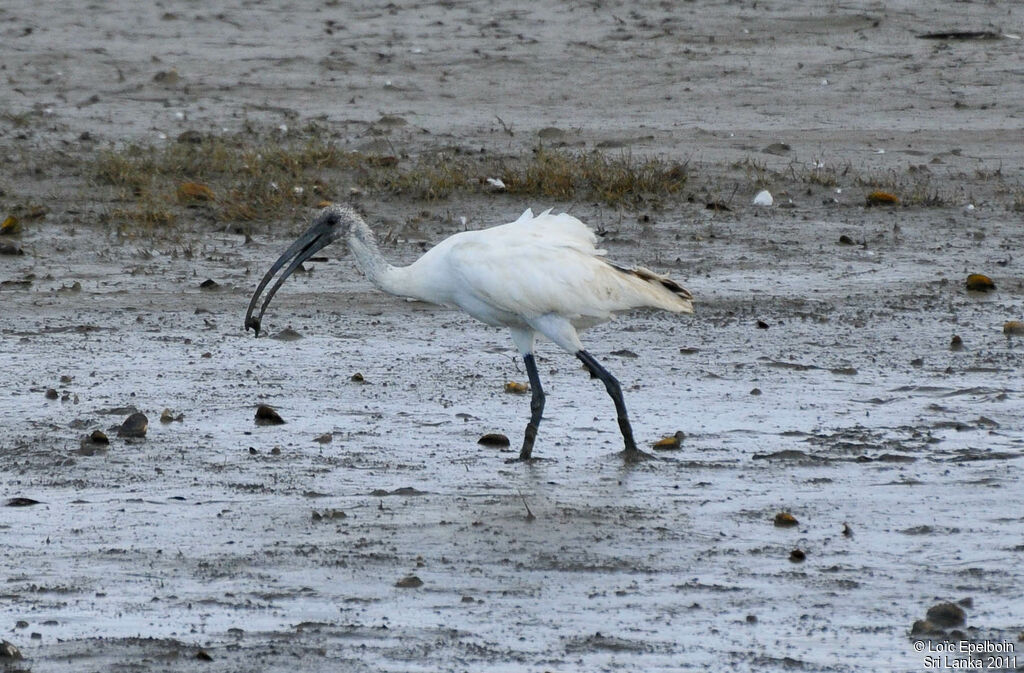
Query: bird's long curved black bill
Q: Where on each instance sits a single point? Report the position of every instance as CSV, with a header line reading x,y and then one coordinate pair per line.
x,y
308,244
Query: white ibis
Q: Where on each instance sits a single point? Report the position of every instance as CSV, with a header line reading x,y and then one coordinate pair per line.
x,y
537,275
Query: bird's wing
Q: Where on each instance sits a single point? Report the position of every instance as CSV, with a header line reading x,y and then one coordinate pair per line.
x,y
549,265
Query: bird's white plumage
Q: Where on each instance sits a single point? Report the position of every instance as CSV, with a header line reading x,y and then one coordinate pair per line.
x,y
529,273
537,275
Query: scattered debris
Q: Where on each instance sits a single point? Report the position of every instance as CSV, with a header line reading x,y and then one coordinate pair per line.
x,y
979,282
134,426
266,415
10,226
785,520
167,416
880,198
9,651
494,439
670,443
961,35
946,615
1013,328
409,582
763,198
194,192
516,388
21,502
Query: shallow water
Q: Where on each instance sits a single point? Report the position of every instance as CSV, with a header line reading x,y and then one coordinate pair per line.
x,y
269,550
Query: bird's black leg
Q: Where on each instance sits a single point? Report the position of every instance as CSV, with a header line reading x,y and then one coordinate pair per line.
x,y
536,407
615,391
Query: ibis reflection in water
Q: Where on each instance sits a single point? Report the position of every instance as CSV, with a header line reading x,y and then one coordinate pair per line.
x,y
537,275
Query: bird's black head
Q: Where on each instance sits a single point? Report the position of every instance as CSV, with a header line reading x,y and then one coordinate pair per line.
x,y
330,224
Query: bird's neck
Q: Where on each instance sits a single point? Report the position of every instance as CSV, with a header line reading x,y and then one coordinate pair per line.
x,y
363,245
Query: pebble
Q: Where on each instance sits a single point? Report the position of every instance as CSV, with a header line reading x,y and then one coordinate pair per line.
x,y
946,615
1013,328
134,426
785,520
494,439
956,343
763,198
167,416
670,443
979,282
9,651
797,556
21,502
99,437
51,394
409,582
265,415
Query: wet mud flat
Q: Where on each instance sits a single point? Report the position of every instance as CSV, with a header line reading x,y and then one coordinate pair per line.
x,y
371,531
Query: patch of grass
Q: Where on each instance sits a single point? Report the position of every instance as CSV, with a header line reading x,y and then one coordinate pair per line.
x,y
258,179
613,180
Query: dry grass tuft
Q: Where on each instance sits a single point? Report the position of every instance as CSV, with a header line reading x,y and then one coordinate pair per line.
x,y
243,180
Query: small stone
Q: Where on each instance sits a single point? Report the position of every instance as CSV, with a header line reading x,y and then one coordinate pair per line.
x,y
946,615
9,651
494,439
265,415
785,520
763,198
797,556
409,582
99,437
956,343
203,655
134,426
22,502
979,282
10,226
167,416
670,443
921,627
210,285
51,394
357,378
845,240
1013,328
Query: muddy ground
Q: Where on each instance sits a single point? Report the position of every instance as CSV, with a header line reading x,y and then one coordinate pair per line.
x,y
815,377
